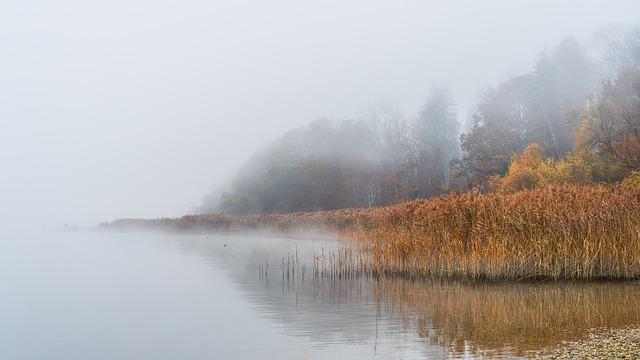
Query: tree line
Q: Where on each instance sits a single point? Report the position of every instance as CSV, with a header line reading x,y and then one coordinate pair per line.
x,y
574,118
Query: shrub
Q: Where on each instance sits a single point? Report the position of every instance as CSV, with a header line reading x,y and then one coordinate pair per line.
x,y
530,170
527,171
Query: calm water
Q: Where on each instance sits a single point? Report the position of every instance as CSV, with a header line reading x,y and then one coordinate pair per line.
x,y
150,296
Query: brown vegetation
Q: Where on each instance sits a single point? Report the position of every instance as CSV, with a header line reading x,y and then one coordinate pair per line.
x,y
557,232
554,232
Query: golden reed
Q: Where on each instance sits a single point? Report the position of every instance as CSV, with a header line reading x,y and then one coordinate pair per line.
x,y
562,232
557,232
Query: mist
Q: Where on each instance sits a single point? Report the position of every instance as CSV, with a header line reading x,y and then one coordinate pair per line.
x,y
140,108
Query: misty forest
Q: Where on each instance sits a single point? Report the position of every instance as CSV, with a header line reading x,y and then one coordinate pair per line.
x,y
574,118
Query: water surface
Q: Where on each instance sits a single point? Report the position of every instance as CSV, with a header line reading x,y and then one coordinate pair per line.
x,y
151,296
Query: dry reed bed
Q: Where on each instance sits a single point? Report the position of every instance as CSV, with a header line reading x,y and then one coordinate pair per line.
x,y
559,233
564,232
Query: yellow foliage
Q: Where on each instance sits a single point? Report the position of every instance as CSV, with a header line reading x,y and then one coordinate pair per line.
x,y
527,171
530,170
576,168
583,135
632,179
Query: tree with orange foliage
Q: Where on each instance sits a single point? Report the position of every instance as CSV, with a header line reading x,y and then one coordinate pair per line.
x,y
531,170
527,171
611,123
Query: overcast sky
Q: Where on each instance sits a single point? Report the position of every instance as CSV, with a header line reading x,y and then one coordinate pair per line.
x,y
138,108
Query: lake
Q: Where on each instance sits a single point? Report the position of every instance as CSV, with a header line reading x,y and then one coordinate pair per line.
x,y
89,295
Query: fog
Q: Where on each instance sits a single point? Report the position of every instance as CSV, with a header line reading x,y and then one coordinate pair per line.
x,y
139,108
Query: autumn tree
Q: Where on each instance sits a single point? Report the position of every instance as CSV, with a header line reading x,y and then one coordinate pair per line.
x,y
531,169
559,82
498,132
531,108
611,122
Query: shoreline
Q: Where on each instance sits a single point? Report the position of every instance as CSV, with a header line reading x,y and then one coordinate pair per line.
x,y
622,343
555,233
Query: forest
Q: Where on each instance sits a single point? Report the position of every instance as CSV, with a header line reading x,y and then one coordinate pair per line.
x,y
574,118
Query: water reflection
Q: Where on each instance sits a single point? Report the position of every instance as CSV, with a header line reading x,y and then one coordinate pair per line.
x,y
503,319
408,317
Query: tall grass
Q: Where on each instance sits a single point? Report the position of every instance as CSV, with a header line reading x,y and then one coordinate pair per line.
x,y
563,232
557,232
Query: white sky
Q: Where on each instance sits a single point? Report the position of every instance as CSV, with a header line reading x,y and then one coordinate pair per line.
x,y
137,108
